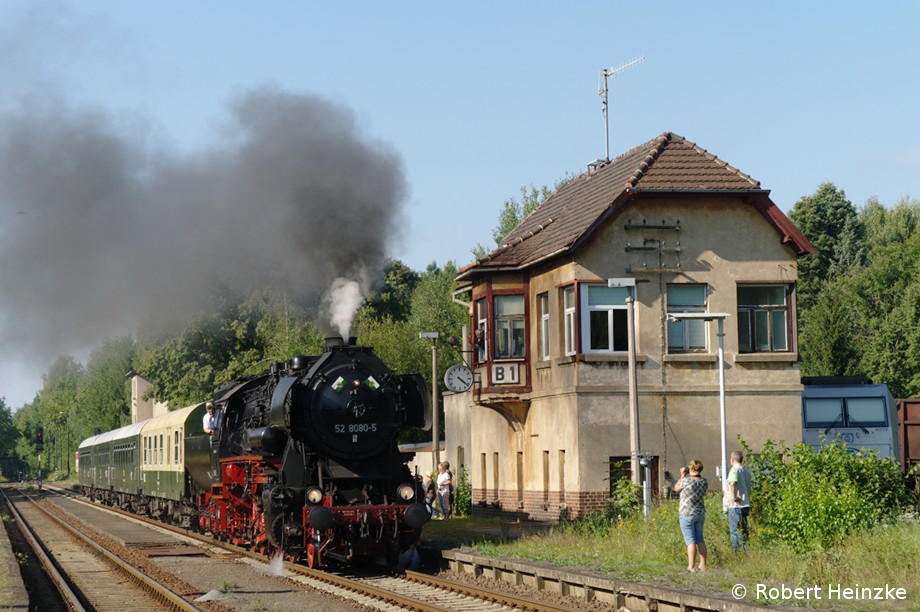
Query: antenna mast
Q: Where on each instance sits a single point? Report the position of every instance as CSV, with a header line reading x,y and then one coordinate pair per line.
x,y
612,73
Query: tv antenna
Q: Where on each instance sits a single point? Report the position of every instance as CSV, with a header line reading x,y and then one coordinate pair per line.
x,y
602,90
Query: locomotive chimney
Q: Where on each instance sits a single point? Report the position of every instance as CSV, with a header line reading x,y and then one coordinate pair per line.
x,y
334,341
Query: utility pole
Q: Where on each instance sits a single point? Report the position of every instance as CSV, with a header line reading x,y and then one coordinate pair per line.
x,y
611,73
435,417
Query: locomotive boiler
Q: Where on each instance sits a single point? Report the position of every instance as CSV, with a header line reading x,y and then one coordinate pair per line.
x,y
303,461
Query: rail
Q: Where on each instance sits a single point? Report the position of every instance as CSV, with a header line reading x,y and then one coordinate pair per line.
x,y
67,594
145,582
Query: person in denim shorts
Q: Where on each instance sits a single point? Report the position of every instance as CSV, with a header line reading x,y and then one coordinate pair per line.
x,y
692,513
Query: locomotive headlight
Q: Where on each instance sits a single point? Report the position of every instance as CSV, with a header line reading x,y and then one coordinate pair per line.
x,y
405,492
314,495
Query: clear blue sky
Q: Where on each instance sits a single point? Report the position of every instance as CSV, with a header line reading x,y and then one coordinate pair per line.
x,y
481,98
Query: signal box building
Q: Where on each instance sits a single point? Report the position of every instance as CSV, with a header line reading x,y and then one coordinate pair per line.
x,y
546,427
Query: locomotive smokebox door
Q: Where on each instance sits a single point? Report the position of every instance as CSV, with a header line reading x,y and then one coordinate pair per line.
x,y
351,408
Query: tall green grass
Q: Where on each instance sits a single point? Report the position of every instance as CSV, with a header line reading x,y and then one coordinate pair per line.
x,y
652,549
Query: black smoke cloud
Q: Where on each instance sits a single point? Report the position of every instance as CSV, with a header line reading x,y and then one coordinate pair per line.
x,y
101,228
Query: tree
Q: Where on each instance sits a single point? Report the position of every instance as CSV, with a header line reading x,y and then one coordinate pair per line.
x,y
824,218
57,404
233,337
394,299
433,307
889,226
104,392
8,432
828,342
887,294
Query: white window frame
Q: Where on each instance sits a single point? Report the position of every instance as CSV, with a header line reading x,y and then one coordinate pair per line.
x,y
682,328
543,305
568,319
611,309
507,324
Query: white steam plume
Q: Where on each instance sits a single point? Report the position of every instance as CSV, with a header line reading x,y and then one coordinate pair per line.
x,y
342,301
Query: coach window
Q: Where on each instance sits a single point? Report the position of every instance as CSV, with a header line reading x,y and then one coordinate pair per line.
x,y
686,335
763,318
176,446
162,462
509,326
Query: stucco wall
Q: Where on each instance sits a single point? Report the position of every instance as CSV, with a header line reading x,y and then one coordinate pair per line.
x,y
579,405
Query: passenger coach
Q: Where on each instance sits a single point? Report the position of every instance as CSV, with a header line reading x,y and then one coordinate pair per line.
x,y
141,467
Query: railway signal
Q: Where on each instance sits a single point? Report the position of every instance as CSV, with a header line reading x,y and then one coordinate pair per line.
x,y
39,438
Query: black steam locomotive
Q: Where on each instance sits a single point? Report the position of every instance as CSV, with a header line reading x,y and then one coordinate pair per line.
x,y
304,461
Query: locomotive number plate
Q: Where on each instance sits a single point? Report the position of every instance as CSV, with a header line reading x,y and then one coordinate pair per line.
x,y
351,428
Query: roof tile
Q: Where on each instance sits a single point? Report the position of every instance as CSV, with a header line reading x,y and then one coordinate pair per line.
x,y
666,163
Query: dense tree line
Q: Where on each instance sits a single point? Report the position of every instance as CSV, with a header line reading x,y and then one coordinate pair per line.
x,y
235,335
859,297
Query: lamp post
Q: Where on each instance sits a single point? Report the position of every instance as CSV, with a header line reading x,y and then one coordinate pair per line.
x,y
435,424
720,317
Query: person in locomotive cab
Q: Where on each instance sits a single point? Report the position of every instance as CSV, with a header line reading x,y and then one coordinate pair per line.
x,y
444,484
211,419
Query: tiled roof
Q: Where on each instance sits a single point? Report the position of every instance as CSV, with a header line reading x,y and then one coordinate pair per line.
x,y
668,163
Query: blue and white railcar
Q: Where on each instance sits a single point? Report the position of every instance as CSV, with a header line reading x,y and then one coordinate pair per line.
x,y
862,414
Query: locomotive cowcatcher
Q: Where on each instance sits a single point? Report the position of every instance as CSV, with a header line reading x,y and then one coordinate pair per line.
x,y
304,460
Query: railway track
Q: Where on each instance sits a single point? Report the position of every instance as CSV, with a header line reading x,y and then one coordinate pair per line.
x,y
409,591
86,575
417,591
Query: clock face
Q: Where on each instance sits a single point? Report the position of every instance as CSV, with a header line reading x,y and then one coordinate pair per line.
x,y
458,378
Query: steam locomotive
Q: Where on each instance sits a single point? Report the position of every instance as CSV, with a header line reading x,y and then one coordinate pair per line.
x,y
303,462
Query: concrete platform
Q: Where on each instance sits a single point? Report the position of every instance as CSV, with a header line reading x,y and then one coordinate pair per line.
x,y
123,530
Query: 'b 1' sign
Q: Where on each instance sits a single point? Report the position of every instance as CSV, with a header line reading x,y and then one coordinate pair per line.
x,y
506,373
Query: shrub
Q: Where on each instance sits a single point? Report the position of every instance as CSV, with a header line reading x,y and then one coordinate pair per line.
x,y
820,496
463,494
624,503
625,500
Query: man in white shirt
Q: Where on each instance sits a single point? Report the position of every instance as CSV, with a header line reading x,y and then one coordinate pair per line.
x,y
210,420
739,500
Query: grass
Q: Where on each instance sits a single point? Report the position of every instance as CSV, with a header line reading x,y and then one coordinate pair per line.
x,y
652,550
